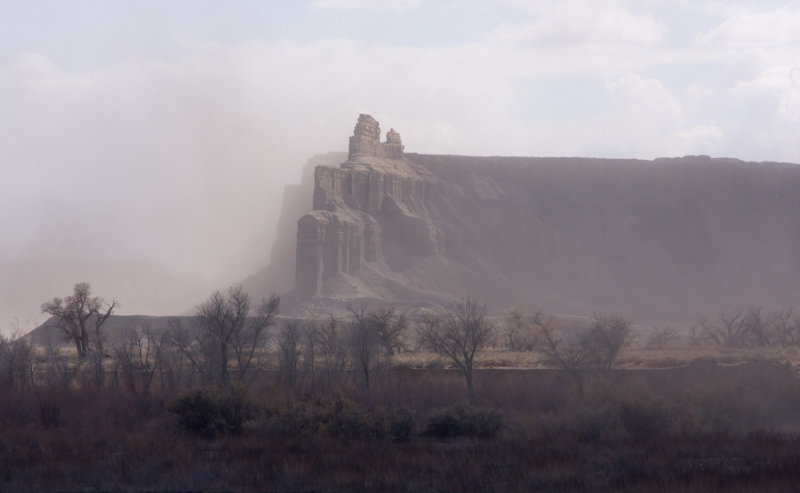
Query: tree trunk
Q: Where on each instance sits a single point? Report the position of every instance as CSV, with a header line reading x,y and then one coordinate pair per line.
x,y
223,349
80,348
365,370
470,388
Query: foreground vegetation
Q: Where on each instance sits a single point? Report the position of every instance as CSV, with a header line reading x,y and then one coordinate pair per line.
x,y
700,428
380,401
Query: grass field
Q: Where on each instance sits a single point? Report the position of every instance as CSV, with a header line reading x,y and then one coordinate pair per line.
x,y
699,426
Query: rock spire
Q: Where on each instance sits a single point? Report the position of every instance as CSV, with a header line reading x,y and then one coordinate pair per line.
x,y
366,141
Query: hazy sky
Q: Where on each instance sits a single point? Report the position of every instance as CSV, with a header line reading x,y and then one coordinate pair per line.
x,y
164,131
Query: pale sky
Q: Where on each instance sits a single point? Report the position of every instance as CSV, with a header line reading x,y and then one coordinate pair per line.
x,y
165,131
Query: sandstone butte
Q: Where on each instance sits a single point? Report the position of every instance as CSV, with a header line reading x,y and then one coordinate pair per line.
x,y
670,239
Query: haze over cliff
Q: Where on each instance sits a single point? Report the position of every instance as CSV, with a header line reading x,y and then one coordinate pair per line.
x,y
144,146
668,239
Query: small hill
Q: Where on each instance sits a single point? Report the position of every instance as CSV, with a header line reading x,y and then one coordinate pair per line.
x,y
116,329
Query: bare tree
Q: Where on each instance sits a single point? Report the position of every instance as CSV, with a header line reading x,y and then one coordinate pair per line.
x,y
309,345
375,336
57,368
78,314
608,335
661,337
290,336
194,348
124,353
753,327
139,356
785,328
521,330
739,329
176,368
364,342
16,362
758,326
571,356
330,340
250,339
7,366
225,330
426,322
459,335
595,347
390,327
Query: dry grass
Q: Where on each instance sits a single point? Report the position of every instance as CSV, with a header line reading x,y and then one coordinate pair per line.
x,y
632,358
698,426
669,358
490,358
577,450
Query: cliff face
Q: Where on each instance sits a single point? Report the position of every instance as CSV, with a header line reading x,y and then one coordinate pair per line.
x,y
279,275
664,239
375,198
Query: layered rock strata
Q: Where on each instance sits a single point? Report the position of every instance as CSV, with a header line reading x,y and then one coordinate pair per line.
x,y
375,190
669,239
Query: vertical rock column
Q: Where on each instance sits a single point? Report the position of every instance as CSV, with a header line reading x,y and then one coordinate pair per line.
x,y
329,243
309,274
366,139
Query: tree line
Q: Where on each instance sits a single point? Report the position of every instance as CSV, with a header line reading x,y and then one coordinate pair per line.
x,y
231,340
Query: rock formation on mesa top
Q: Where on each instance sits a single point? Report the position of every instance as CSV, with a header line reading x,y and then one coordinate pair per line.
x,y
669,239
366,141
376,196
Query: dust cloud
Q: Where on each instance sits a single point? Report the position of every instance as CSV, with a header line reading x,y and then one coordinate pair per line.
x,y
155,183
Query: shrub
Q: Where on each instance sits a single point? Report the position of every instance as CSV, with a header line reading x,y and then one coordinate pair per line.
x,y
640,420
598,425
646,420
210,410
337,418
443,424
724,410
401,424
461,421
346,420
49,413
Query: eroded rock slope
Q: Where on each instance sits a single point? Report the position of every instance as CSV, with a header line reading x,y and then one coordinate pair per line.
x,y
660,240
